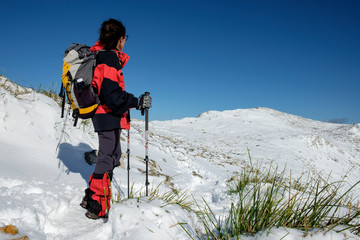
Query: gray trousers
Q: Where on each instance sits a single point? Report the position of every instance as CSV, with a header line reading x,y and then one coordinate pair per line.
x,y
109,151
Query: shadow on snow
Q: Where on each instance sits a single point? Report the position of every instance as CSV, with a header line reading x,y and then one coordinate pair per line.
x,y
73,159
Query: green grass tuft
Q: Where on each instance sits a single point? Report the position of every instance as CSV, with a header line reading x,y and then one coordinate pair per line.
x,y
268,201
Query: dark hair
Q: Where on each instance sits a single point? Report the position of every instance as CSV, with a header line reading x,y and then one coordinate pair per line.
x,y
110,33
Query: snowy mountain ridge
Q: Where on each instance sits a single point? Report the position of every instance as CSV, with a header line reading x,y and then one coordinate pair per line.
x,y
43,173
271,136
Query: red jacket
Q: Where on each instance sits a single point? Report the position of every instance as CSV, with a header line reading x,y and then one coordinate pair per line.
x,y
108,82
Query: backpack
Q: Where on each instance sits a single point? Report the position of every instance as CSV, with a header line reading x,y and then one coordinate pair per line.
x,y
77,76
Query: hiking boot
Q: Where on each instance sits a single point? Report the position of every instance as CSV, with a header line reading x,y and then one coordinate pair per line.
x,y
91,157
94,216
83,204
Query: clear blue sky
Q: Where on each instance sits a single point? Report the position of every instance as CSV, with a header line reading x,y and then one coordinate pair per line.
x,y
301,56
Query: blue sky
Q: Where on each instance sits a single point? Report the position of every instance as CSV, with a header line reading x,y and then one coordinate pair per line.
x,y
301,57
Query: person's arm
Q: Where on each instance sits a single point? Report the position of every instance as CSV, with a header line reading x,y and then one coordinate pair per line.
x,y
110,93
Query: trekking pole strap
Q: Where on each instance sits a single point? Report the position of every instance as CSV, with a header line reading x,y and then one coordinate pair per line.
x,y
62,95
75,115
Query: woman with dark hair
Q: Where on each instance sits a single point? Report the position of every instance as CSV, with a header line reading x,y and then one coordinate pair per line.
x,y
110,116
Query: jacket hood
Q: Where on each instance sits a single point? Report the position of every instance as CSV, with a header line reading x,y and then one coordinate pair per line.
x,y
97,47
124,58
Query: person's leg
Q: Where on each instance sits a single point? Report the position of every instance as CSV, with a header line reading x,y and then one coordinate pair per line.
x,y
100,194
99,199
107,148
117,149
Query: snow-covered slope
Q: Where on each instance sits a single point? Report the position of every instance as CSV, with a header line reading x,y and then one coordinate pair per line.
x,y
222,139
43,172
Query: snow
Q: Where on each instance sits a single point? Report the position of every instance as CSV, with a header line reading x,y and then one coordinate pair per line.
x,y
43,172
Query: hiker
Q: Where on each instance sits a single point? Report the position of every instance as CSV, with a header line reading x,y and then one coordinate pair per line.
x,y
110,117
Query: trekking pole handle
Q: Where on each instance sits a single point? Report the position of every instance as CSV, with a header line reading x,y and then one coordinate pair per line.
x,y
145,102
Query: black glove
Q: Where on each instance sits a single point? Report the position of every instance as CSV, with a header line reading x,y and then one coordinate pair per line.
x,y
144,102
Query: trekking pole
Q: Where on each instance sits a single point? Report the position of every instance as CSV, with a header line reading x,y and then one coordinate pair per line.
x,y
128,153
146,109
